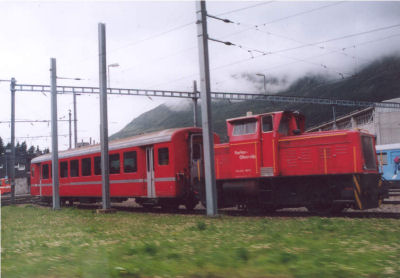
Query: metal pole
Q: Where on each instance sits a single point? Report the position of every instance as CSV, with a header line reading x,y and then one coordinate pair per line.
x,y
103,117
12,159
70,128
54,133
75,122
195,120
334,117
265,84
205,92
108,76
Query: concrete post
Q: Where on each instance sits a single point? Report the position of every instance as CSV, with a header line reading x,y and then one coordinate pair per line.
x,y
195,119
54,134
12,158
205,92
103,118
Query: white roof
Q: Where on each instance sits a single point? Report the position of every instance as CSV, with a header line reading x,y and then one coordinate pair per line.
x,y
387,147
138,140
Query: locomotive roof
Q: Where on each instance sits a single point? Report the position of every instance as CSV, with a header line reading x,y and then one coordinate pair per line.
x,y
262,114
138,140
387,147
253,116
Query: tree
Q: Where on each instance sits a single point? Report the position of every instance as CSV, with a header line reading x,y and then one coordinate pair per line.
x,y
2,149
31,151
23,147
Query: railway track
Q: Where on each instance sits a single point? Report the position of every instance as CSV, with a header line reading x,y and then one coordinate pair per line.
x,y
390,209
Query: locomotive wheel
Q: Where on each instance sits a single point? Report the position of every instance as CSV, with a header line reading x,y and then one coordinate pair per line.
x,y
170,206
191,203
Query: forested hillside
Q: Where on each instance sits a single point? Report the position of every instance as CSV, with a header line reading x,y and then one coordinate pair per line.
x,y
378,81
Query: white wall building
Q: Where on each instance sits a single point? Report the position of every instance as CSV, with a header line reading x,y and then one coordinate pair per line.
x,y
384,123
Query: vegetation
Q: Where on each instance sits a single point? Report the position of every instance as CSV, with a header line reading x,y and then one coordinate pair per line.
x,y
23,155
376,82
39,242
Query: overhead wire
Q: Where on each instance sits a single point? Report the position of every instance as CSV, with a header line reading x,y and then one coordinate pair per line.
x,y
195,47
246,8
287,17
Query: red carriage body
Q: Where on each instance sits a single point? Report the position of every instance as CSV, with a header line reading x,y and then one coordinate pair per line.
x,y
155,168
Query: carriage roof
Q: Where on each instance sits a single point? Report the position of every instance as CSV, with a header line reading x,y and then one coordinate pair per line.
x,y
133,141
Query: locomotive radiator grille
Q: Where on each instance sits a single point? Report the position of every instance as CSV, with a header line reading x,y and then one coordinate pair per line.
x,y
267,171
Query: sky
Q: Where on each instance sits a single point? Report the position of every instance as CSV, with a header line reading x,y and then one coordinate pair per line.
x,y
155,45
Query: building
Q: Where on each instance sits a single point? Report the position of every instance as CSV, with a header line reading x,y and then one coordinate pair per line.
x,y
383,122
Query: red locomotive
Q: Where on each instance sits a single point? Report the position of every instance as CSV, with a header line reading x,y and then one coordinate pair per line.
x,y
5,186
269,163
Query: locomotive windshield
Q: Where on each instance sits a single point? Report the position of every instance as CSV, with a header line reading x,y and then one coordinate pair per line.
x,y
368,151
244,127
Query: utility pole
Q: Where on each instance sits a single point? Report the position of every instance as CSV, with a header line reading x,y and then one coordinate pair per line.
x,y
265,81
12,159
69,128
54,133
195,120
334,117
105,182
75,121
205,92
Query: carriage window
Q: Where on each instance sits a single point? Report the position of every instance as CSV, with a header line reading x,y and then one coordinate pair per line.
x,y
267,123
130,162
45,171
114,163
163,156
245,127
33,172
382,158
74,168
63,169
196,151
86,166
97,165
284,126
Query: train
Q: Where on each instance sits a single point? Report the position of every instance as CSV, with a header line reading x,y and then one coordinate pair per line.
x,y
5,187
268,163
389,163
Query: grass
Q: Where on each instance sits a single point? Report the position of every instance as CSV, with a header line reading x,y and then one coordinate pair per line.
x,y
39,242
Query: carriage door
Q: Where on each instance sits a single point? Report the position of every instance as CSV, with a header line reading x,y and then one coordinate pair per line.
x,y
151,192
196,159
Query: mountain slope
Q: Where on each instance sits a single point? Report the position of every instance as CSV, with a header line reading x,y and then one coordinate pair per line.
x,y
376,82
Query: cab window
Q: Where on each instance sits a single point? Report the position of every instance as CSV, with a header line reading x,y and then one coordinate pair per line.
x,y
244,127
267,123
284,126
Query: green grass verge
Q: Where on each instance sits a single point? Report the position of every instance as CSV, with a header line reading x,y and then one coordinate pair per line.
x,y
39,242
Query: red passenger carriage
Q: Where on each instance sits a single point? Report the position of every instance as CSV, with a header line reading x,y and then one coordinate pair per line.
x,y
158,168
